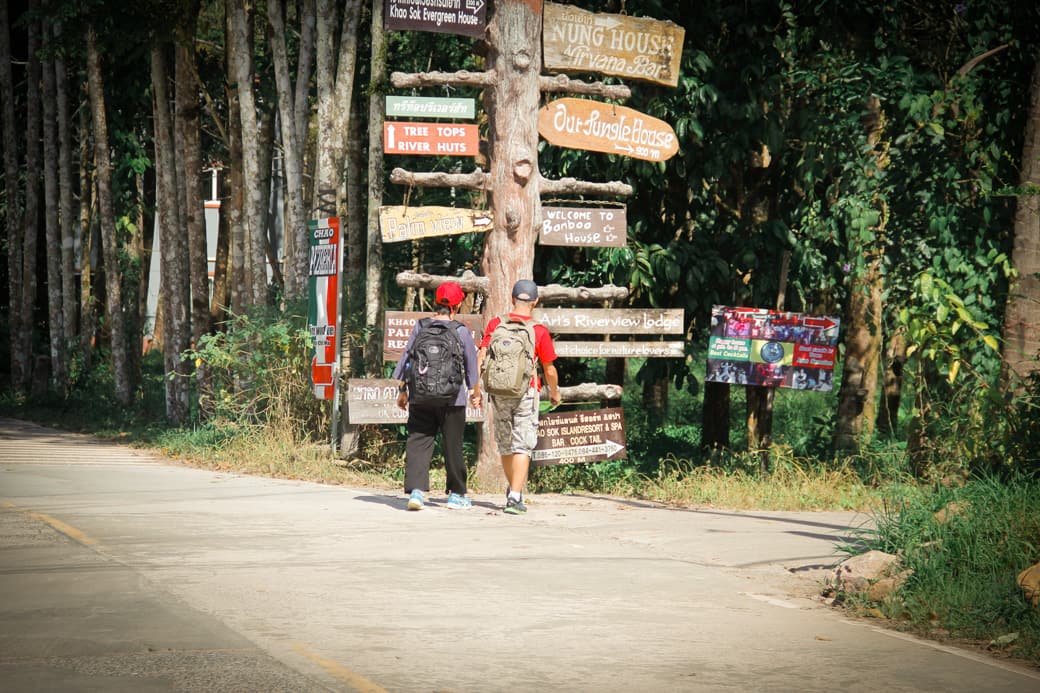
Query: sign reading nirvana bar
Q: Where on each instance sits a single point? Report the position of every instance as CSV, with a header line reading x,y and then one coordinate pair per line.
x,y
754,346
465,17
605,127
575,40
602,227
405,223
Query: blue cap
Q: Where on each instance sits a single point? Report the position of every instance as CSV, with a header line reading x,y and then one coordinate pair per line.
x,y
525,290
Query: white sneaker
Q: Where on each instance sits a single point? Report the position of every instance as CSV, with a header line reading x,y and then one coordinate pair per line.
x,y
416,501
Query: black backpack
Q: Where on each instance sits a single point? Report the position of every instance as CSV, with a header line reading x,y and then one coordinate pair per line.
x,y
435,363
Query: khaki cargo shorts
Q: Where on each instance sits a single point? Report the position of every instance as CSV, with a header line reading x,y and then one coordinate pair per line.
x,y
516,423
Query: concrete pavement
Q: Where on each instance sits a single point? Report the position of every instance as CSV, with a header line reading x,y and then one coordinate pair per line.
x,y
121,571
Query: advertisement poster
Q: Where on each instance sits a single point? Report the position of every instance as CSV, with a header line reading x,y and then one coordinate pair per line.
x,y
754,346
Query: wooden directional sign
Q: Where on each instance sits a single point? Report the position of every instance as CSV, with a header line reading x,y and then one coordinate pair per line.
x,y
374,401
584,226
604,127
431,139
610,321
398,325
574,40
465,17
429,107
405,223
613,350
580,436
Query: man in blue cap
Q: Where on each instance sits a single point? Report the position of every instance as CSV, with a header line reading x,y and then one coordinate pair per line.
x,y
516,417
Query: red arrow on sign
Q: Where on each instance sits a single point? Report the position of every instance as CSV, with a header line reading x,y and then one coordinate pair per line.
x,y
825,323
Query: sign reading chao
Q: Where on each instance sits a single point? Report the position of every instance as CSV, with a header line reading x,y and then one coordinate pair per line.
x,y
465,17
753,346
575,40
579,436
604,127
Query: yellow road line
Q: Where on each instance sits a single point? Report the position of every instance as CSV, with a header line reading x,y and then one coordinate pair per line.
x,y
340,672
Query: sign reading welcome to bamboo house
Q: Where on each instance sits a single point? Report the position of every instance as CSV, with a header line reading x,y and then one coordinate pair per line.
x,y
603,227
397,223
575,40
603,127
465,17
754,346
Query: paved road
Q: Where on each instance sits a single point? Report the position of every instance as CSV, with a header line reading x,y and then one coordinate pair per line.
x,y
123,572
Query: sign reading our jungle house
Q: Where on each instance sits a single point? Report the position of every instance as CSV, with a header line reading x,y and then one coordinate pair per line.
x,y
398,223
465,17
576,437
575,40
374,401
398,326
429,107
430,139
611,321
584,226
603,127
752,346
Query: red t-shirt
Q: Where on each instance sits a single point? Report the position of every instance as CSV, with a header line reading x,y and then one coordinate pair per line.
x,y
544,350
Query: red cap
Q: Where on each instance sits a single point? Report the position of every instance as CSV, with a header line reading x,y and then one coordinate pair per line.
x,y
450,294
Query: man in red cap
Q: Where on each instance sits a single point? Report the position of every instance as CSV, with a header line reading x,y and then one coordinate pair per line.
x,y
437,370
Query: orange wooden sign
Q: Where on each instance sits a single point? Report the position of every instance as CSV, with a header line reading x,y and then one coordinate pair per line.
x,y
431,139
604,127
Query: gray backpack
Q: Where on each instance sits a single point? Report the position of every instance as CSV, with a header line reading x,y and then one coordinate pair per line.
x,y
509,362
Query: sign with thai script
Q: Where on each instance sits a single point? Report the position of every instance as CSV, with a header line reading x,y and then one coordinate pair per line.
x,y
584,226
754,346
398,223
429,107
611,321
323,302
374,401
430,139
398,326
465,17
604,127
575,40
580,436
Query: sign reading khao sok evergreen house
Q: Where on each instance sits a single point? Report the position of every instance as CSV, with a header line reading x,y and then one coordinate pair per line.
x,y
753,346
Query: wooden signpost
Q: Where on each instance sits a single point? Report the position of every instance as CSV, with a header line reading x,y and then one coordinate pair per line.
x,y
575,40
429,107
581,436
431,139
603,127
465,17
374,401
399,323
604,227
406,223
607,321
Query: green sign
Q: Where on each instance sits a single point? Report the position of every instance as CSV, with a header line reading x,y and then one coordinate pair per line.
x,y
428,107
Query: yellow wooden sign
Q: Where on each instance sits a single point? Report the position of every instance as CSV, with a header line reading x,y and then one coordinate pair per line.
x,y
398,223
604,127
575,40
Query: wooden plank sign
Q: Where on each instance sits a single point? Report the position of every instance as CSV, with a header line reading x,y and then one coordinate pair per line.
x,y
575,40
398,223
374,401
613,350
429,107
398,326
465,17
576,437
584,226
611,321
430,139
603,127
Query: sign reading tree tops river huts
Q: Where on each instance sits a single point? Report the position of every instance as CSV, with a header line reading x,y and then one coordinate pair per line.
x,y
575,40
465,17
604,127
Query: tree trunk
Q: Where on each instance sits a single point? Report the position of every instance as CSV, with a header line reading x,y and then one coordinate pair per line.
x,y
14,212
374,260
87,301
55,304
514,38
109,238
69,215
241,291
240,42
23,320
892,387
715,416
1022,317
174,292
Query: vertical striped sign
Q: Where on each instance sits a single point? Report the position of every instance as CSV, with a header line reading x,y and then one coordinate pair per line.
x,y
323,310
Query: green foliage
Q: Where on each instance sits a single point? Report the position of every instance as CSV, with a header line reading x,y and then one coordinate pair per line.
x,y
259,366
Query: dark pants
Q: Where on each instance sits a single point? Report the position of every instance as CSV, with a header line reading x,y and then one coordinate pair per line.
x,y
423,424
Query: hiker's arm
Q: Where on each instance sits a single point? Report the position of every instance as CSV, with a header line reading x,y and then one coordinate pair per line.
x,y
552,379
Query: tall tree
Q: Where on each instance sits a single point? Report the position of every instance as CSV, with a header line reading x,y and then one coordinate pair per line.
x,y
52,232
69,215
24,319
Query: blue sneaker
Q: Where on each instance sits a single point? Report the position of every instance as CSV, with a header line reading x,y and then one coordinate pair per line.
x,y
416,501
457,502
